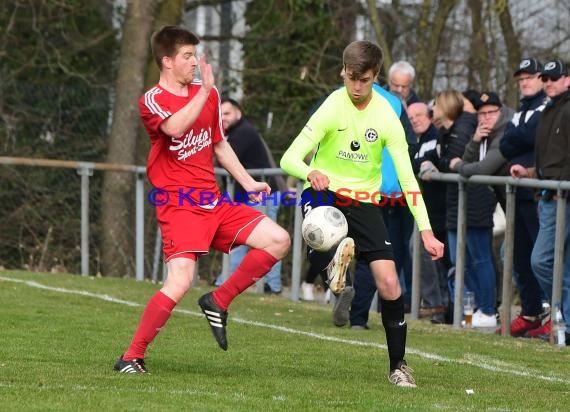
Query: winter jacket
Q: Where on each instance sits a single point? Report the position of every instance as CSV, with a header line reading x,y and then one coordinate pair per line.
x,y
517,144
480,198
491,162
433,192
553,139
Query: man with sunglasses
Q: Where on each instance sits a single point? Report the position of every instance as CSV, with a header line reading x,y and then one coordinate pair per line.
x,y
517,146
552,163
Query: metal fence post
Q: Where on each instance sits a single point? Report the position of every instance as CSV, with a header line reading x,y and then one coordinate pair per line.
x,y
460,255
85,171
230,189
508,262
416,272
139,231
297,249
559,249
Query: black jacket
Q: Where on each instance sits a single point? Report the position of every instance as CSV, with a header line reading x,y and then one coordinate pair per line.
x,y
433,192
481,200
250,150
553,139
517,144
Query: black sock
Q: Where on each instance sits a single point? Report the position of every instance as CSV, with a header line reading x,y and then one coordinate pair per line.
x,y
396,329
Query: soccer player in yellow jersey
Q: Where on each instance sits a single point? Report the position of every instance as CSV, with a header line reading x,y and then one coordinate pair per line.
x,y
349,131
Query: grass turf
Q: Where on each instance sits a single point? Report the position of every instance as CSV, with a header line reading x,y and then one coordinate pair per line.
x,y
60,335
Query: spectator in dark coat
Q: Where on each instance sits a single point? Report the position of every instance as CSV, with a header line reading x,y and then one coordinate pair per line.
x,y
480,276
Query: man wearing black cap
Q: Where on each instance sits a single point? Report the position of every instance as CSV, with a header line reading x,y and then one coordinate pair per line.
x,y
482,155
517,145
552,163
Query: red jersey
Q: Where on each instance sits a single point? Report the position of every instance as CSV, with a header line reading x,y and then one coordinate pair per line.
x,y
182,162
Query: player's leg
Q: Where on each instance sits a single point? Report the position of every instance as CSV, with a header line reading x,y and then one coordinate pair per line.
x,y
392,301
268,244
366,224
157,312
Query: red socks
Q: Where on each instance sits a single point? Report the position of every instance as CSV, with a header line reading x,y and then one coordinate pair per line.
x,y
155,315
255,264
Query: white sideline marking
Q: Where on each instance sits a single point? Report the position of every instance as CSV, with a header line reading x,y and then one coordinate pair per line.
x,y
476,361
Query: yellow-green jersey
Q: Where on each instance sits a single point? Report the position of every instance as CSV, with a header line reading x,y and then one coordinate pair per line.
x,y
349,145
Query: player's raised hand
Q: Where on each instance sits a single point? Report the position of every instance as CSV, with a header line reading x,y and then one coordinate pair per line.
x,y
206,73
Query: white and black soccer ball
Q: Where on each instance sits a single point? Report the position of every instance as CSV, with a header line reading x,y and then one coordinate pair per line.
x,y
324,227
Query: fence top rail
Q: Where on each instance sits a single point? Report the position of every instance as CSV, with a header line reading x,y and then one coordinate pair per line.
x,y
503,180
70,164
111,167
443,177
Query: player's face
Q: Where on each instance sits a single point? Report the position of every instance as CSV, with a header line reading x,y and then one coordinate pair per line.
x,y
359,88
184,64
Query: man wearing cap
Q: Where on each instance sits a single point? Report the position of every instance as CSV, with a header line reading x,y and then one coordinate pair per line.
x,y
517,146
482,155
552,162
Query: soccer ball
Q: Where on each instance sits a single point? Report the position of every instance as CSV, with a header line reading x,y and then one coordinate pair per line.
x,y
324,227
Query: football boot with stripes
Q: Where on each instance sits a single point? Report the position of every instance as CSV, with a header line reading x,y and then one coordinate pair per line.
x,y
216,318
130,366
336,270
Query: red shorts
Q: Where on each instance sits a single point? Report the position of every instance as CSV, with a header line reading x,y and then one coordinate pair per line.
x,y
191,230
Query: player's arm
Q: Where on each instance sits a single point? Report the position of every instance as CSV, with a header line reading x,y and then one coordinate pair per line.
x,y
293,160
180,122
229,161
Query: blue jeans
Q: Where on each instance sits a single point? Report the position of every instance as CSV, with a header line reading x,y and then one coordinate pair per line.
x,y
542,259
480,274
364,288
400,225
273,277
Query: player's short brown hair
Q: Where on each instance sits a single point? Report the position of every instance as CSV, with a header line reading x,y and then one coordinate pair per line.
x,y
167,41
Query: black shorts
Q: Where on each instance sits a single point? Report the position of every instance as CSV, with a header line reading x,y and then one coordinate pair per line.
x,y
365,222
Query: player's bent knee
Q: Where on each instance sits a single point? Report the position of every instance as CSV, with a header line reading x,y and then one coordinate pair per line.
x,y
179,278
283,240
390,287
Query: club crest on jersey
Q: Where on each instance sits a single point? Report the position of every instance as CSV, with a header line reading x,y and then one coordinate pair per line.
x,y
371,135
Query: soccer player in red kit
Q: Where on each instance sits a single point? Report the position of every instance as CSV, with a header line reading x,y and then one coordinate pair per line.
x,y
182,118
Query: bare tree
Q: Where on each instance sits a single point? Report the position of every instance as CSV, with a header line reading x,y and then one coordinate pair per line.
x,y
478,52
512,45
429,41
117,197
379,32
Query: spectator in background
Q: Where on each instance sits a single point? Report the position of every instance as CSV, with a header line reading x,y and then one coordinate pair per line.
x,y
251,151
399,220
401,76
434,291
517,146
470,100
480,276
552,162
482,155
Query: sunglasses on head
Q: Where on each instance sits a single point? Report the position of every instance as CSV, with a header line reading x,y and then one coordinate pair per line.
x,y
547,78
